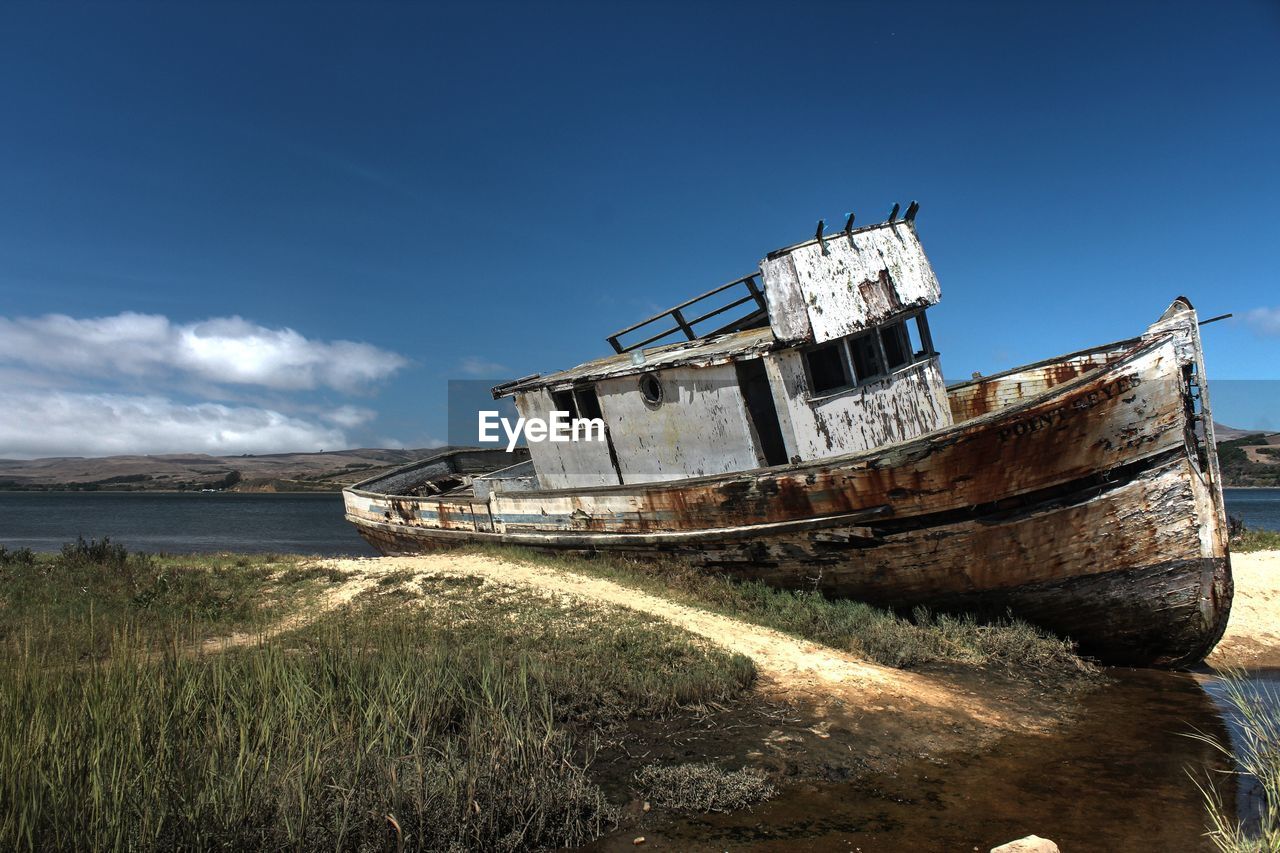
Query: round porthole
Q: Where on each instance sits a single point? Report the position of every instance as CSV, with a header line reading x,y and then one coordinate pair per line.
x,y
651,390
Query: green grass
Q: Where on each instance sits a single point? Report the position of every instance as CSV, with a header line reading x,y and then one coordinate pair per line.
x,y
1257,754
1256,540
444,714
601,664
432,713
873,633
77,599
355,745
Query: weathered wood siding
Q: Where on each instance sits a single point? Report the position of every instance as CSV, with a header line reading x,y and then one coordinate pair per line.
x,y
466,461
439,513
861,280
700,427
520,477
971,399
1102,422
568,464
909,403
1128,412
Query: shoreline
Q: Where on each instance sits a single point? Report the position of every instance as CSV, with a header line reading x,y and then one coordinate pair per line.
x,y
1252,638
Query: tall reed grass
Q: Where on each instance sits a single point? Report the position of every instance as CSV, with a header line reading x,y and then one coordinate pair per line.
x,y
376,743
432,715
74,600
1255,752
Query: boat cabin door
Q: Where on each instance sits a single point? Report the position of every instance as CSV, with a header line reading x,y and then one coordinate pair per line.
x,y
762,413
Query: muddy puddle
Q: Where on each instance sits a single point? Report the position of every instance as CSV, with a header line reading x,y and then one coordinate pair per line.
x,y
1117,778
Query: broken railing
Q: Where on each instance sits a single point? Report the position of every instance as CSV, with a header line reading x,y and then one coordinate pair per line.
x,y
754,316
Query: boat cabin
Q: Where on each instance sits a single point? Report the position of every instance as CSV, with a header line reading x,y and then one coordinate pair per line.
x,y
824,351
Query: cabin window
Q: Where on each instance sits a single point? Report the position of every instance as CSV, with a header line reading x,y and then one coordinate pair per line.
x,y
921,343
562,401
588,403
865,351
868,356
897,349
827,368
651,389
914,344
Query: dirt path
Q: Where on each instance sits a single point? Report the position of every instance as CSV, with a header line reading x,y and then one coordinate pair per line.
x,y
888,712
1253,632
332,599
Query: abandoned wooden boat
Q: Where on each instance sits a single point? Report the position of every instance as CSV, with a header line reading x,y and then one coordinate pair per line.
x,y
809,441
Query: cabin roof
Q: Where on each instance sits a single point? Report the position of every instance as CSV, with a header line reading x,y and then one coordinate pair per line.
x,y
702,352
827,236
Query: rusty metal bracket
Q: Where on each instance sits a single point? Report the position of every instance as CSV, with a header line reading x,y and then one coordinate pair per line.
x,y
817,235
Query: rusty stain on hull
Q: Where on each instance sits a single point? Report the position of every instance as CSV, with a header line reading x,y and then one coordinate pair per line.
x,y
1081,492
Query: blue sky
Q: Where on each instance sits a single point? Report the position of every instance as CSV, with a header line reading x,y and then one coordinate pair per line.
x,y
222,199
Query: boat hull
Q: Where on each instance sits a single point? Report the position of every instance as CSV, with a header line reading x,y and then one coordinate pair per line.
x,y
1081,495
1085,564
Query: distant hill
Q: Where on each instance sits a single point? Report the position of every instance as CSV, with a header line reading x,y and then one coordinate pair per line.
x,y
1228,433
275,472
1248,457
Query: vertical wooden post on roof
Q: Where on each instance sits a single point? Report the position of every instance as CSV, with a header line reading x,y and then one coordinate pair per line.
x,y
756,293
684,327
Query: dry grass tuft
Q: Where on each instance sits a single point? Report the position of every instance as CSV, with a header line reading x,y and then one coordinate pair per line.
x,y
703,787
1256,754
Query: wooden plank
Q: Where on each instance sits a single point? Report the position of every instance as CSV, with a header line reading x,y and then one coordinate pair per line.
x,y
860,281
788,316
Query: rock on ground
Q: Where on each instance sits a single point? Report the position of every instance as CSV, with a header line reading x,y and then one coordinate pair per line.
x,y
1030,844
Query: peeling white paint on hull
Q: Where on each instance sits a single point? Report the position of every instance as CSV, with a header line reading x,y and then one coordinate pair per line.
x,y
1075,492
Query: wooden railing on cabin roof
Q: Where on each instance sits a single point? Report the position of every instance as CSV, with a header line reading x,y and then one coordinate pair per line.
x,y
757,316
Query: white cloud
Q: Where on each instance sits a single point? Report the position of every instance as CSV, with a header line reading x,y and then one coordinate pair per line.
x,y
227,350
1264,321
474,365
64,423
349,416
425,441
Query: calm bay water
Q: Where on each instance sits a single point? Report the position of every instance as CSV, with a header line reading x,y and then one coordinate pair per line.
x,y
184,522
287,523
1259,509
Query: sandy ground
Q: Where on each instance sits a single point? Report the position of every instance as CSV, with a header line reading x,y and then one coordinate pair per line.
x,y
331,600
1253,631
840,705
841,711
